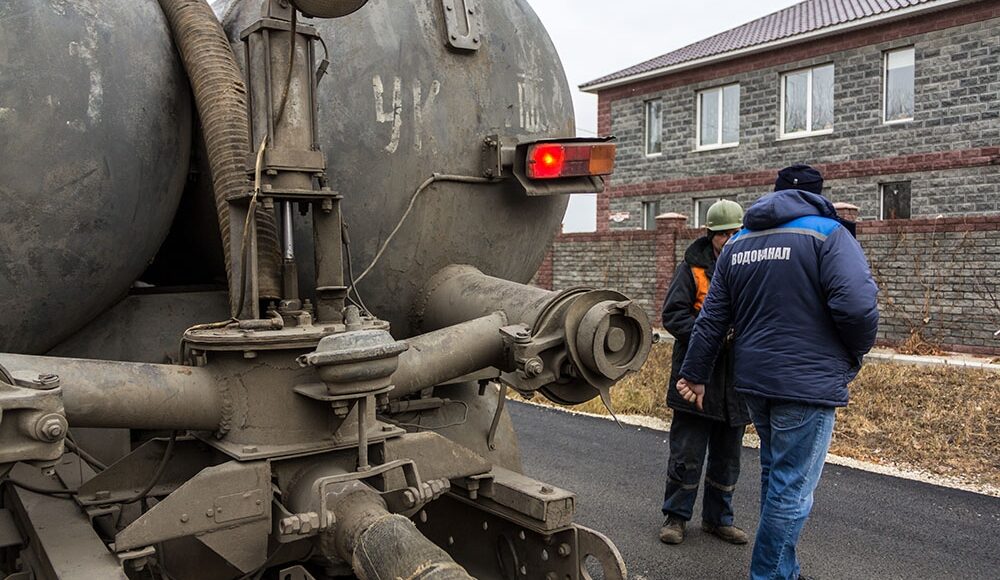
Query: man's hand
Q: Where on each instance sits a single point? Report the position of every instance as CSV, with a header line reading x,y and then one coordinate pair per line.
x,y
692,392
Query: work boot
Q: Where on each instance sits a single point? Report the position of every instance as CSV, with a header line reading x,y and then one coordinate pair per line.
x,y
730,534
672,531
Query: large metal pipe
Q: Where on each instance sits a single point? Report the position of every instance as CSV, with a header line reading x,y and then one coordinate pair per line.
x,y
444,355
129,395
460,293
366,532
570,344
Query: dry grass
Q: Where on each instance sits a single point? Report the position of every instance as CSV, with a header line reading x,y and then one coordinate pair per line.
x,y
916,344
938,419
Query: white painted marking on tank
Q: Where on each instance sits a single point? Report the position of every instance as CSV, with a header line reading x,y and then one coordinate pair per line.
x,y
85,51
396,115
530,97
420,107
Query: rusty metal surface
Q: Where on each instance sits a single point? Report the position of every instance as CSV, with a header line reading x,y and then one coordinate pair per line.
x,y
95,134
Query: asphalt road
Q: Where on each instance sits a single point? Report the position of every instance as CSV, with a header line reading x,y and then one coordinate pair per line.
x,y
863,525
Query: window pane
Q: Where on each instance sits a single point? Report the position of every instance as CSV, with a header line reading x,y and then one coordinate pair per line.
x,y
822,98
703,205
896,200
654,127
899,77
710,117
796,85
731,114
650,209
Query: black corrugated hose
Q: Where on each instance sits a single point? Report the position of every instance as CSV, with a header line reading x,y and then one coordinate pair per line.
x,y
220,96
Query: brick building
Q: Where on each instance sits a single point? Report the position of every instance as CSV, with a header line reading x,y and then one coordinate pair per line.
x,y
896,101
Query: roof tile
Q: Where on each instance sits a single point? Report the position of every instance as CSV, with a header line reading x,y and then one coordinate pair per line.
x,y
801,18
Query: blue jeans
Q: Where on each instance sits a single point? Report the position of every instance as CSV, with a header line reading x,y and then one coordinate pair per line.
x,y
691,436
794,439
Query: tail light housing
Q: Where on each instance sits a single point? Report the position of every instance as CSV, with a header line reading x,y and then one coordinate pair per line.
x,y
552,166
555,160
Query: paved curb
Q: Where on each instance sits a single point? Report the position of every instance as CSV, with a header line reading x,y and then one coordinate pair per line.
x,y
751,441
895,358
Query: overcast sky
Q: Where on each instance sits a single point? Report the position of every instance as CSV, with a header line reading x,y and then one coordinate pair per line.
x,y
597,37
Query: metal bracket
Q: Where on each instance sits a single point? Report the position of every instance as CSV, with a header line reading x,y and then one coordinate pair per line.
x,y
497,157
464,20
501,400
31,405
137,559
295,573
597,545
406,500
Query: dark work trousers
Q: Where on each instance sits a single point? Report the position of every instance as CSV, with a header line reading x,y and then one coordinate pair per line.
x,y
691,436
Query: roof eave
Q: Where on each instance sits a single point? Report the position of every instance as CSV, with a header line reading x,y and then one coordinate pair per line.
x,y
775,44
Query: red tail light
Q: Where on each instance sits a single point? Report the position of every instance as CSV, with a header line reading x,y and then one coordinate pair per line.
x,y
555,160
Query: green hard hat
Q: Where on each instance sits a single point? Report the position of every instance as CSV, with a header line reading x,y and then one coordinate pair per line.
x,y
724,215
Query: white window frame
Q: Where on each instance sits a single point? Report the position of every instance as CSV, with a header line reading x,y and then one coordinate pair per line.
x,y
697,120
645,127
885,85
646,206
782,135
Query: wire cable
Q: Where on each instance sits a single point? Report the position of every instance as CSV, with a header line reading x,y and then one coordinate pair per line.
x,y
436,177
350,270
86,457
251,212
167,455
40,490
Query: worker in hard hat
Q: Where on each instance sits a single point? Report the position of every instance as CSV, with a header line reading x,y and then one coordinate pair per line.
x,y
716,429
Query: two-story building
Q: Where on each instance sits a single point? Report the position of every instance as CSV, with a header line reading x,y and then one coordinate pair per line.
x,y
896,101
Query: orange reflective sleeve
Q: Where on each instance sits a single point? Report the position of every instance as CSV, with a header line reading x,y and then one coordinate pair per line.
x,y
702,284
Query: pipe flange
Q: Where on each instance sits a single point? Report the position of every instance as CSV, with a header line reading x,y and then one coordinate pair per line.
x,y
613,338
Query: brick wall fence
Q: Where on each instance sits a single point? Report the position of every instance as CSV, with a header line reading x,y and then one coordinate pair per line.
x,y
939,279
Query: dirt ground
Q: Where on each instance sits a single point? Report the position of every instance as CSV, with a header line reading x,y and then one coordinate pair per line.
x,y
942,420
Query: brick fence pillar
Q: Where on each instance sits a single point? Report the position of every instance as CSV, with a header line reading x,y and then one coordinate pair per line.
x,y
546,272
847,211
668,229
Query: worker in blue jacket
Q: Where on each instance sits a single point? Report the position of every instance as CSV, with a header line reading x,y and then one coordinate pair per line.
x,y
795,287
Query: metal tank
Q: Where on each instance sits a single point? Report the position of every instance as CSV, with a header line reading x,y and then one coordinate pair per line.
x,y
402,101
323,417
95,128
